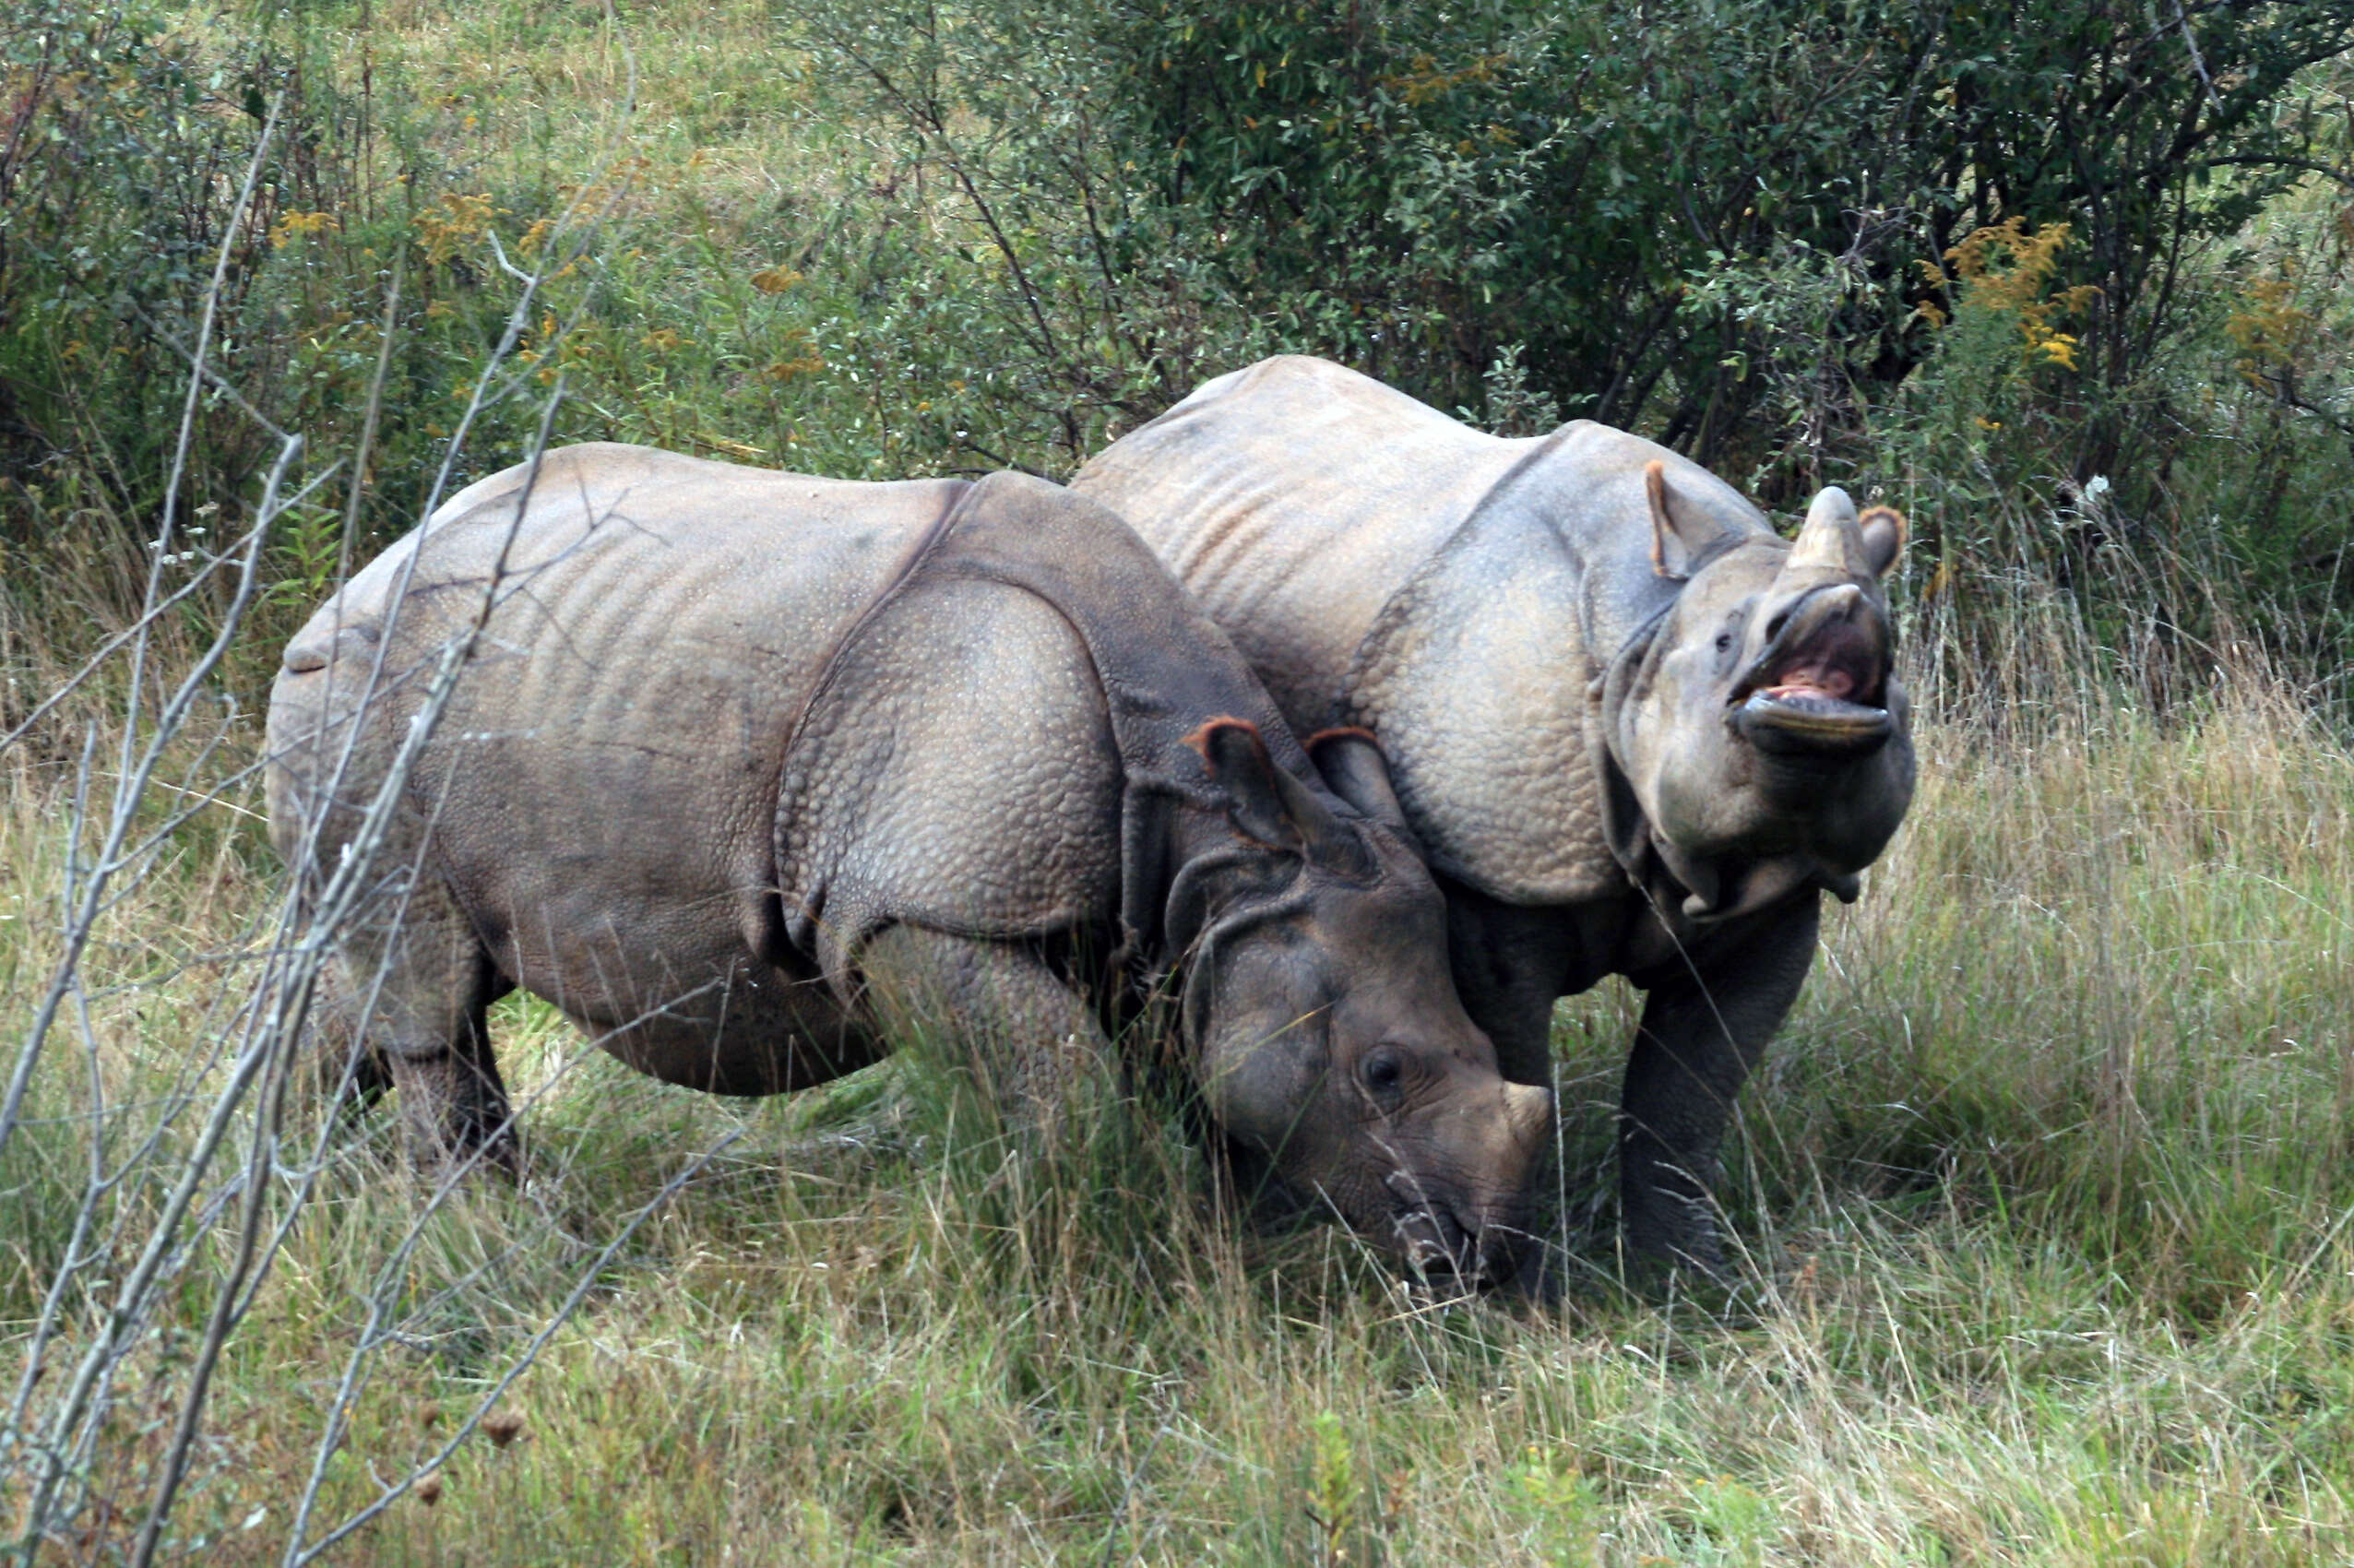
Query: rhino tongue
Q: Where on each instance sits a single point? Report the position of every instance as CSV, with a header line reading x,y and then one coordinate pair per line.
x,y
1815,680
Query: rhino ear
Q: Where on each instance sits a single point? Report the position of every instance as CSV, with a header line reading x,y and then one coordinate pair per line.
x,y
1355,769
1269,806
1884,538
1239,765
1680,532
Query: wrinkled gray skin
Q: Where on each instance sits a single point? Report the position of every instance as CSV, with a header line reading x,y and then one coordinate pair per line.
x,y
746,761
1635,731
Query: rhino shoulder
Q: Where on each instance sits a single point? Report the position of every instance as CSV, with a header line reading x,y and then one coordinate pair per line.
x,y
1595,490
1474,679
957,769
1478,673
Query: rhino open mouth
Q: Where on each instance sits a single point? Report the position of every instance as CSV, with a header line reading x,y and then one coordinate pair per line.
x,y
1822,683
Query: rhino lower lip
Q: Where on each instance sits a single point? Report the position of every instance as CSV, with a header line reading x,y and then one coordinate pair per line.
x,y
1431,1242
1794,719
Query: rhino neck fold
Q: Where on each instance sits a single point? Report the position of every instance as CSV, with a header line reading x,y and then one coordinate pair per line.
x,y
1164,671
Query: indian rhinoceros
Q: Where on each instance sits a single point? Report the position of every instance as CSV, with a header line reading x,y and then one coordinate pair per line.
x,y
741,754
1634,730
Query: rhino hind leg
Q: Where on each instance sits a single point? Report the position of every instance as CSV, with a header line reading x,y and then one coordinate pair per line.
x,y
335,1064
454,1109
421,984
997,1009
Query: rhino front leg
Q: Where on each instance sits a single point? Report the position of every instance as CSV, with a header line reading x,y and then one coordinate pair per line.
x,y
1510,962
1705,1026
992,1006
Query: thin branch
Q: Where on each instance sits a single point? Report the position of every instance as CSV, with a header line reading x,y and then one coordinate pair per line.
x,y
297,1554
187,439
2344,176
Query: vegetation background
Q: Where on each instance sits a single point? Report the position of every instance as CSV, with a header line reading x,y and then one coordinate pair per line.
x,y
2044,1192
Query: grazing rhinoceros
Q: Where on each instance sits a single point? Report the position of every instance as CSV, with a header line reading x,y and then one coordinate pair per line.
x,y
1634,730
740,756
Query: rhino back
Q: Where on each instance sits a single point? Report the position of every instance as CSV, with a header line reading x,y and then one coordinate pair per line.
x,y
600,787
1293,499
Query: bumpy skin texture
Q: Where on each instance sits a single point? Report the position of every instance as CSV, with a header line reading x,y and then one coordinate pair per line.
x,y
746,764
1635,731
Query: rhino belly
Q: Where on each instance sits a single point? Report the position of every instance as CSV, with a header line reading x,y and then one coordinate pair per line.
x,y
679,1001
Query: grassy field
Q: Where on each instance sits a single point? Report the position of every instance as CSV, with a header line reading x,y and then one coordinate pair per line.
x,y
2042,1198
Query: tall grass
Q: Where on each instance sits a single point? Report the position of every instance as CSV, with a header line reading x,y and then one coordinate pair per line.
x,y
2041,1198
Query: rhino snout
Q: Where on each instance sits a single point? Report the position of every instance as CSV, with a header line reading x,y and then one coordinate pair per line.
x,y
1820,685
1469,1227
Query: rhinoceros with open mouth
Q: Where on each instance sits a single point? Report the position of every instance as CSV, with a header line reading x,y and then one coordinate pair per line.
x,y
739,757
1634,731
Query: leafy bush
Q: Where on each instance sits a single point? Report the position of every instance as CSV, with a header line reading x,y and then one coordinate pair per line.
x,y
1782,235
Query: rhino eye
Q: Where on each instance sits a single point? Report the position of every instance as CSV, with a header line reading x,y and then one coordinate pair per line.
x,y
1724,642
1382,1072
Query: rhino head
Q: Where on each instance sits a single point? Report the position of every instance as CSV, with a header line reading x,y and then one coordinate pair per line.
x,y
1321,1019
1756,736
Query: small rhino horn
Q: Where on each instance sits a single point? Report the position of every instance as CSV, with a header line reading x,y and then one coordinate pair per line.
x,y
1527,1113
1831,537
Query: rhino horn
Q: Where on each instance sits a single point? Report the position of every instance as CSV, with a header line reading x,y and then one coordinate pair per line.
x,y
1830,539
1270,807
1835,538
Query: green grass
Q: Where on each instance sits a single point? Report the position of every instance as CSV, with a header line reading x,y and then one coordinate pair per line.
x,y
2041,1198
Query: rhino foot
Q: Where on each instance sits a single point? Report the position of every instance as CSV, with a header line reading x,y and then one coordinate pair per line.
x,y
456,1116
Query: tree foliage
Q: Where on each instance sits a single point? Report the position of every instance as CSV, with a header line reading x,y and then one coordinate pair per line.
x,y
1782,235
1415,186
